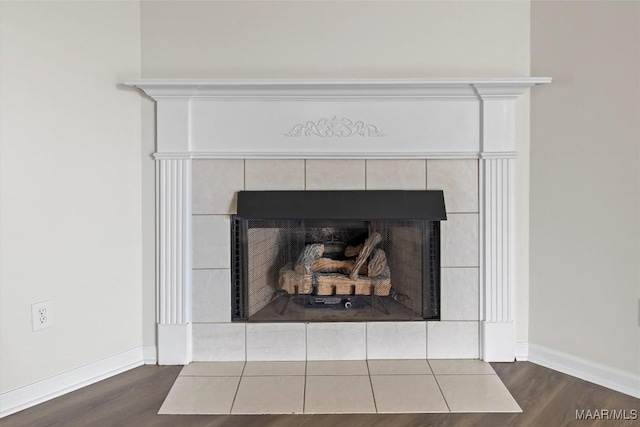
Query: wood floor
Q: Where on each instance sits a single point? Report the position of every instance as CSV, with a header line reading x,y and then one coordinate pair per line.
x,y
548,398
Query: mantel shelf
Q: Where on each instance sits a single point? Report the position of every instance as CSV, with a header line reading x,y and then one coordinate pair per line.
x,y
460,88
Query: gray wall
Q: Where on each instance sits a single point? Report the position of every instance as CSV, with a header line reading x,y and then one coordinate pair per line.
x,y
585,182
70,215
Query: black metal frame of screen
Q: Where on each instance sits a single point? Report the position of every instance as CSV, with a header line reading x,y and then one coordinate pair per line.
x,y
274,208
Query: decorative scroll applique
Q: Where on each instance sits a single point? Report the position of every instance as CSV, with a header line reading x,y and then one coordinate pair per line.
x,y
329,128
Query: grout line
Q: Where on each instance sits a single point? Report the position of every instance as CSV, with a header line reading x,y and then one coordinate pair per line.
x,y
244,174
237,388
401,375
304,388
441,393
304,167
426,174
464,374
366,343
272,376
366,187
209,376
337,375
373,393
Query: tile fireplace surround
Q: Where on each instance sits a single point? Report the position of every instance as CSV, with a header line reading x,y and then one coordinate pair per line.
x,y
215,138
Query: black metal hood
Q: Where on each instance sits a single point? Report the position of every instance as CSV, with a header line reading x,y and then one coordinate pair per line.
x,y
351,205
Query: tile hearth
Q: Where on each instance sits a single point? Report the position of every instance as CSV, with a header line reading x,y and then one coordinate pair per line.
x,y
338,387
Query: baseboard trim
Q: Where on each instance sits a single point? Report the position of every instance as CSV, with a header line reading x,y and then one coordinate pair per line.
x,y
25,397
624,382
522,351
150,354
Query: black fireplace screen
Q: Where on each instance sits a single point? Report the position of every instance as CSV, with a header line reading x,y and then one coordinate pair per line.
x,y
333,268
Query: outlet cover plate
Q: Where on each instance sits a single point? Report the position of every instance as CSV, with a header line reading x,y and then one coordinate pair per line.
x,y
41,315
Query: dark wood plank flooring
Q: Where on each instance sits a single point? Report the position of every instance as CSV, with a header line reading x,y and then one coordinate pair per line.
x,y
547,397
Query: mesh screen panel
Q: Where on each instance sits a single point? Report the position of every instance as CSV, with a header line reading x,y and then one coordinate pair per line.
x,y
262,247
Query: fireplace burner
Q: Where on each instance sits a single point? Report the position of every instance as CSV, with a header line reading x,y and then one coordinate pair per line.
x,y
350,255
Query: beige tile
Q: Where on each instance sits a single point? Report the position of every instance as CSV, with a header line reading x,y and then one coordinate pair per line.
x,y
458,179
399,367
274,175
460,366
222,342
270,395
337,341
397,340
200,395
453,340
212,369
276,341
337,367
460,242
211,241
396,175
255,369
211,295
335,175
459,294
338,395
407,393
476,393
215,185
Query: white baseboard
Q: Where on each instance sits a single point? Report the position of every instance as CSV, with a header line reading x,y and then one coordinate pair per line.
x,y
150,354
522,351
41,391
624,382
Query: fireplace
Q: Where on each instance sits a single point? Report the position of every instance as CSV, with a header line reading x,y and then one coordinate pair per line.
x,y
217,138
323,256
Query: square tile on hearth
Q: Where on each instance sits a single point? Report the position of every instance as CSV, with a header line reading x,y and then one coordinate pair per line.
x,y
337,367
219,342
212,369
336,341
270,395
396,340
200,395
276,341
338,394
257,369
460,366
452,340
476,393
407,393
399,367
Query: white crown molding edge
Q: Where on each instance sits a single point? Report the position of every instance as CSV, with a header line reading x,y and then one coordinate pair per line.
x,y
277,155
30,395
301,89
614,379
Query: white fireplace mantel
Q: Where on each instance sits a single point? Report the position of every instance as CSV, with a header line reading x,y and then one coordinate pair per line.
x,y
336,119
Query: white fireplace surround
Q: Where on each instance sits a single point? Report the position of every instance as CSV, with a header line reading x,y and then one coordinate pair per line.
x,y
465,118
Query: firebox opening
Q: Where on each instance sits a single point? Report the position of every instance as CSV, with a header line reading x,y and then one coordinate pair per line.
x,y
337,268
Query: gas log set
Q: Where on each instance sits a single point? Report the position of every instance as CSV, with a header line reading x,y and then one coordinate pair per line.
x,y
362,271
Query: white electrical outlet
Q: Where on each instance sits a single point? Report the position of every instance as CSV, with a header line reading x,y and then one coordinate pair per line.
x,y
41,315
